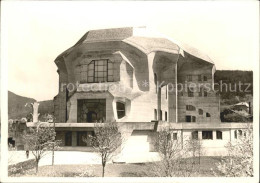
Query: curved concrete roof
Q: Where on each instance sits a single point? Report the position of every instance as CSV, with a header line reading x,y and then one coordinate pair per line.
x,y
140,37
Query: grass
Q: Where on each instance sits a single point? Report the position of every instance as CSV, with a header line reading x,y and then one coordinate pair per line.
x,y
111,170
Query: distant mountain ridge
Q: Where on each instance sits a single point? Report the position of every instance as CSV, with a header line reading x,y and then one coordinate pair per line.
x,y
17,108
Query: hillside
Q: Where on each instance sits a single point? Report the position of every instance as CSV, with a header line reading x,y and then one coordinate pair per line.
x,y
17,109
233,78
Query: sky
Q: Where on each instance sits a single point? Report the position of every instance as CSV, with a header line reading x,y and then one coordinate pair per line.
x,y
36,32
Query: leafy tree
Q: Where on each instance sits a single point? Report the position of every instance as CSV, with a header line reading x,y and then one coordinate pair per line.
x,y
239,162
40,141
106,141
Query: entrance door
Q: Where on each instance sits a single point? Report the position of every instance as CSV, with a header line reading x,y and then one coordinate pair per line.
x,y
91,110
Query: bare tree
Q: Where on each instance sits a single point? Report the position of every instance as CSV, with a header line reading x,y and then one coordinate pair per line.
x,y
106,140
40,141
239,161
194,147
172,155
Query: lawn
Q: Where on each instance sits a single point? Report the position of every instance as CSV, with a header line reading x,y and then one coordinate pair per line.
x,y
112,170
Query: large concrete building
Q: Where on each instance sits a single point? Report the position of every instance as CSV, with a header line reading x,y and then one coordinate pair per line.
x,y
134,77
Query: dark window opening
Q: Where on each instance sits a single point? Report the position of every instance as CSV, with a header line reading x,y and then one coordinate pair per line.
x,y
205,93
193,119
155,81
190,108
200,92
174,136
190,92
199,77
165,115
160,115
205,78
91,110
84,135
120,107
235,134
207,135
207,115
11,142
200,112
100,71
188,119
239,132
195,135
155,114
189,77
219,135
68,138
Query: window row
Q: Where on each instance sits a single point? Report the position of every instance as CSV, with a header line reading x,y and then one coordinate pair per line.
x,y
202,93
199,77
161,115
206,135
200,111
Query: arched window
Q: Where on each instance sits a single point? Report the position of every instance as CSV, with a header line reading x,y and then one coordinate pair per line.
x,y
195,135
100,71
200,112
190,108
219,134
207,115
120,108
155,81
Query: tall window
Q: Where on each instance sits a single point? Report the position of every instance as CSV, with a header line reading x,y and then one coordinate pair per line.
x,y
120,107
205,78
189,77
174,136
200,112
155,114
219,134
165,116
190,92
100,71
199,77
195,135
205,93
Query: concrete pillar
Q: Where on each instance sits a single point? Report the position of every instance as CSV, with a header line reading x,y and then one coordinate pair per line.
x,y
214,134
74,139
73,110
200,135
159,103
176,94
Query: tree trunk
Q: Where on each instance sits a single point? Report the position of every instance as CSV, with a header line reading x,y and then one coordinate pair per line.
x,y
103,170
37,163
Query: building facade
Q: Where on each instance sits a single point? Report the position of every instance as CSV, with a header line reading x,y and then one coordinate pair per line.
x,y
134,77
